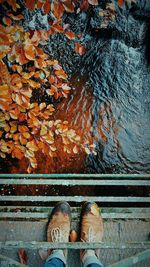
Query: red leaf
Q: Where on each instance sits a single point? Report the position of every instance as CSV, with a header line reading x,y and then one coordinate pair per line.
x,y
30,4
80,49
57,9
22,256
68,5
84,5
7,21
47,7
121,2
70,35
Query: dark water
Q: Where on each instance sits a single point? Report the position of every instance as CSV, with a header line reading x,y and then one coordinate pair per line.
x,y
111,97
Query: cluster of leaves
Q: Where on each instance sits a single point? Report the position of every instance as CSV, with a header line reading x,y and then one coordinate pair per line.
x,y
26,126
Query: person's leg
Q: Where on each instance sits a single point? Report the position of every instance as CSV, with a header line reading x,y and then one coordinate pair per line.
x,y
91,231
58,231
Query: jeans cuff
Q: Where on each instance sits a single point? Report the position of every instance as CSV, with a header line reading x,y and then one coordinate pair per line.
x,y
58,253
87,260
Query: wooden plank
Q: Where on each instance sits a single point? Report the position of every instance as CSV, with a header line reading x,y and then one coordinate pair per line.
x,y
71,182
74,199
74,245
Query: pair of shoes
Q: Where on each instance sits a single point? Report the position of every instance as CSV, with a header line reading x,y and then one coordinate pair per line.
x,y
91,224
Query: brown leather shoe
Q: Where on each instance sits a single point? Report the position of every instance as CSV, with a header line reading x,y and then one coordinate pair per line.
x,y
91,224
58,229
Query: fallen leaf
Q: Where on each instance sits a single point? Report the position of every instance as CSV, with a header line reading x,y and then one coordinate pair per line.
x,y
121,3
93,2
30,4
22,256
7,21
70,35
47,7
29,50
80,49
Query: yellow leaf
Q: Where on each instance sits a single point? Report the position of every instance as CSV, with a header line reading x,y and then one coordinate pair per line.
x,y
75,150
32,146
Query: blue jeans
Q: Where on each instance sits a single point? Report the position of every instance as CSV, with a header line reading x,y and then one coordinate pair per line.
x,y
55,262
57,259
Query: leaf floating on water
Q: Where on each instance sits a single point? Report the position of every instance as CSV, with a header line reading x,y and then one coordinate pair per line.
x,y
57,9
22,256
80,49
70,35
29,51
47,7
7,21
75,150
93,2
121,3
30,4
32,145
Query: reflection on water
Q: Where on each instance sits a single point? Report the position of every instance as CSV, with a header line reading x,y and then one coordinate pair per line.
x,y
109,104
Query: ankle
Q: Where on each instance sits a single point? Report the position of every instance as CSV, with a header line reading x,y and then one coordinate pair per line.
x,y
86,253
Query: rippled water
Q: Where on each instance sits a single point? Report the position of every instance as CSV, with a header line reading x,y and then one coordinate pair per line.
x,y
110,103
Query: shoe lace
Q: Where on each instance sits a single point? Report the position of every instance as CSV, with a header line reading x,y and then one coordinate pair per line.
x,y
90,235
56,235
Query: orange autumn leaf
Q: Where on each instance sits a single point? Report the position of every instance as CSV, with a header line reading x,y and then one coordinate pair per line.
x,y
13,4
70,35
32,146
20,55
39,3
34,84
80,49
30,4
61,74
29,50
17,17
23,128
68,5
57,9
17,153
121,2
47,7
7,21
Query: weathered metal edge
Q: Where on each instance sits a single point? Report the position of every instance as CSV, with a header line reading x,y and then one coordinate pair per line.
x,y
68,175
75,182
74,245
11,261
45,215
132,260
74,199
